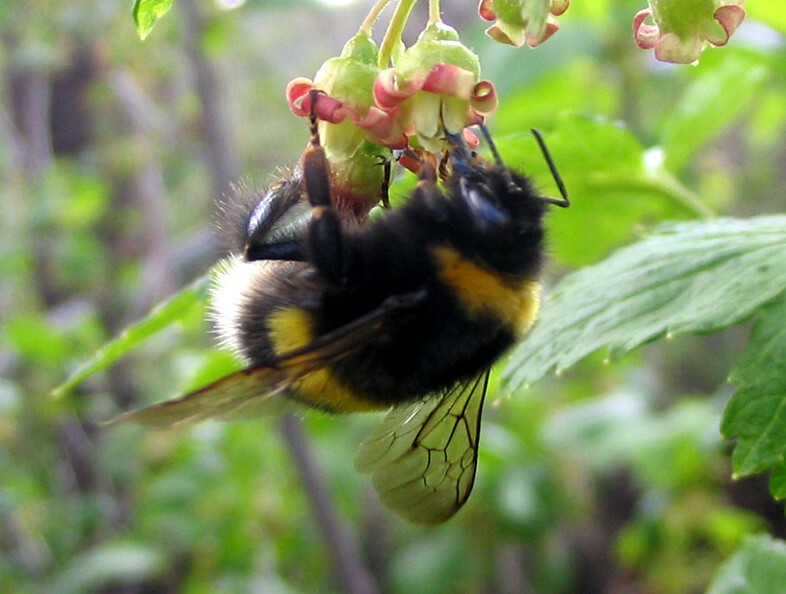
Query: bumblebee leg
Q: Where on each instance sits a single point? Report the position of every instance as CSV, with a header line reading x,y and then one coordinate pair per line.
x,y
384,190
427,175
325,241
427,190
316,172
326,245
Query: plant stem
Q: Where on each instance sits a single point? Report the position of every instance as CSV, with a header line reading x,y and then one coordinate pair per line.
x,y
664,184
221,155
393,34
368,23
348,565
433,12
685,196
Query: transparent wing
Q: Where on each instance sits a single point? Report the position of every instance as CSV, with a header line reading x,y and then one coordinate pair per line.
x,y
423,456
247,393
261,390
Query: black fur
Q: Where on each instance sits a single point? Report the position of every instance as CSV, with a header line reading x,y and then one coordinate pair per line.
x,y
487,213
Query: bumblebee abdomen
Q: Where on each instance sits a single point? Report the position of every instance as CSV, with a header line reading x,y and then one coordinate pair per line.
x,y
470,318
482,293
293,328
432,350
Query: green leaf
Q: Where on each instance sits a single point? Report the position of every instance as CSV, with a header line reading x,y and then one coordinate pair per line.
x,y
215,365
174,309
704,109
147,12
37,340
758,567
778,481
576,87
612,190
106,564
665,449
687,277
756,413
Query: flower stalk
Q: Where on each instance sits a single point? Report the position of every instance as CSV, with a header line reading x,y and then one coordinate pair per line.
x,y
376,99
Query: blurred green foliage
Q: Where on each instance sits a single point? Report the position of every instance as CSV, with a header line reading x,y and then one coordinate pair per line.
x,y
612,477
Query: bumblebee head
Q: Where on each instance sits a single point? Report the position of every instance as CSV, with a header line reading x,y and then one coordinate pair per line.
x,y
497,200
501,212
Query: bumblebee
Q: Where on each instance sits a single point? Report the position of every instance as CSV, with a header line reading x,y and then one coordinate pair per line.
x,y
405,313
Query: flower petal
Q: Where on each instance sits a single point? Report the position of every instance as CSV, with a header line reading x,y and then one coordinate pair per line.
x,y
551,27
486,10
297,90
484,97
645,35
729,17
389,92
426,114
559,6
327,108
501,33
670,48
471,138
455,115
382,128
446,79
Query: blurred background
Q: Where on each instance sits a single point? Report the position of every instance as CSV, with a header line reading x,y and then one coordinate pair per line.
x,y
610,478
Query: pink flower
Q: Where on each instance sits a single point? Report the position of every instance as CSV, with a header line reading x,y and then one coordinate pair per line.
x,y
364,111
520,21
345,104
434,86
355,133
351,122
680,30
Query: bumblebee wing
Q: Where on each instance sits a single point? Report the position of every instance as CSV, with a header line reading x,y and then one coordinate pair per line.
x,y
261,390
250,392
423,456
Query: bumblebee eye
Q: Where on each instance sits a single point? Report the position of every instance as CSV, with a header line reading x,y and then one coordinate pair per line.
x,y
485,207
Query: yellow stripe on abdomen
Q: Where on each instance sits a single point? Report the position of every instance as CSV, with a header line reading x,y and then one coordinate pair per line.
x,y
291,329
483,292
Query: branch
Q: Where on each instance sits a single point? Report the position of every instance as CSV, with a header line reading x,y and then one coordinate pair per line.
x,y
221,159
350,571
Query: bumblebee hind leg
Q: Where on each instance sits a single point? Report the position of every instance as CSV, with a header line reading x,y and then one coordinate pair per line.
x,y
325,240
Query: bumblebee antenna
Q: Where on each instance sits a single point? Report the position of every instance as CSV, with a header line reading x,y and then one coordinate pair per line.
x,y
492,147
564,202
497,158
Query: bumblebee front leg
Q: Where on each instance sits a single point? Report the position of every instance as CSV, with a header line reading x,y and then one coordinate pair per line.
x,y
325,241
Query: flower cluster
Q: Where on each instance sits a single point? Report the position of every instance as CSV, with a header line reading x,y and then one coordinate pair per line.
x,y
373,99
522,21
679,31
433,87
391,97
345,84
